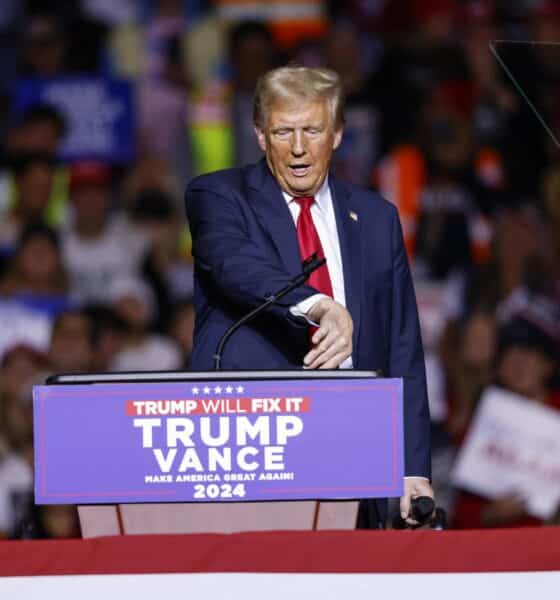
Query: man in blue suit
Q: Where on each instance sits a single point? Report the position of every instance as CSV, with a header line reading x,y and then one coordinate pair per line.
x,y
252,227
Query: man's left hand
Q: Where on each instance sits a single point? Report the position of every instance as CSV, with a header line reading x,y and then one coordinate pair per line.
x,y
413,488
332,342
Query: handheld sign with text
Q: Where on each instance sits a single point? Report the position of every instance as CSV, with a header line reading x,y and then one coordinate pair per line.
x,y
513,448
209,441
99,114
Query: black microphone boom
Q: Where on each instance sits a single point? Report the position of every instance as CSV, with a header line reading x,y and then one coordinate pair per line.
x,y
311,264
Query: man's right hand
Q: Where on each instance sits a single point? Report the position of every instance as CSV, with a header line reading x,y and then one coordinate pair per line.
x,y
332,342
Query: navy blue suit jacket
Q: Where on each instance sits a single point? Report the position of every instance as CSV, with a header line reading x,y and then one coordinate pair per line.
x,y
245,248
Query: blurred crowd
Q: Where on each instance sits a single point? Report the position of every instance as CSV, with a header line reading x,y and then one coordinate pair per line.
x,y
458,130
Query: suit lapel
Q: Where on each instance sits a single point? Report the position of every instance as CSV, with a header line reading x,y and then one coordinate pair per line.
x,y
274,215
348,227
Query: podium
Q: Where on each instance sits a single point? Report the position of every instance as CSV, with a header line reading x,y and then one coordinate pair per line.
x,y
217,452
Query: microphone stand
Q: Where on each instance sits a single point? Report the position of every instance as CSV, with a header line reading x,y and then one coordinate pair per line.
x,y
310,265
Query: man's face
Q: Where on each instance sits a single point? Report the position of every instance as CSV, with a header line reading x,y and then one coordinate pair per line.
x,y
298,141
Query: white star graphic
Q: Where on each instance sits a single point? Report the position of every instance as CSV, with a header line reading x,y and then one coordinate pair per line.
x,y
195,390
206,390
218,389
240,389
229,389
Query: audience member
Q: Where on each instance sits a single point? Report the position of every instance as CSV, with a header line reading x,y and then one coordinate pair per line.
x,y
109,336
33,181
470,369
363,127
33,290
16,488
44,52
40,129
526,361
71,347
181,327
150,172
168,272
163,105
99,246
20,368
252,53
36,271
51,521
134,303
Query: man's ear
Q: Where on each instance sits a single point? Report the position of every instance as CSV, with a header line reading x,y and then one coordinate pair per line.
x,y
337,137
261,138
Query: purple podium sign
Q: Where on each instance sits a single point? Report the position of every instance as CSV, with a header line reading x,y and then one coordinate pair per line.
x,y
209,441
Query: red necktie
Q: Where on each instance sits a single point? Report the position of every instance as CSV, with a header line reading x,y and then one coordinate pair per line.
x,y
309,243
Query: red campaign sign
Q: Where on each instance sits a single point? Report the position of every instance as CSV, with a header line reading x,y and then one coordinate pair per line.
x,y
212,406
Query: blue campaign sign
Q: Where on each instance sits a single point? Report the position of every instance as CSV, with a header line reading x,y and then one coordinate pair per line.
x,y
99,114
233,441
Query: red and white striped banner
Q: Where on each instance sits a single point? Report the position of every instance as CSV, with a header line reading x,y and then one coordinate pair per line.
x,y
423,564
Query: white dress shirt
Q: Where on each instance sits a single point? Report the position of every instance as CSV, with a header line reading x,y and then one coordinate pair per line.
x,y
322,213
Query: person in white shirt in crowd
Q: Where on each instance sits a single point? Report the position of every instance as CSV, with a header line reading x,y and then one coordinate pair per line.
x,y
134,302
100,246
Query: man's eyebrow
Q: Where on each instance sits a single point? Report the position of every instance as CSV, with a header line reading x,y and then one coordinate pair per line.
x,y
292,127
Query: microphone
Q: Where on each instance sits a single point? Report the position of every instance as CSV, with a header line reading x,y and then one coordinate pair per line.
x,y
310,264
421,510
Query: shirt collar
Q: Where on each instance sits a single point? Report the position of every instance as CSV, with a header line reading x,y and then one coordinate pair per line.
x,y
322,197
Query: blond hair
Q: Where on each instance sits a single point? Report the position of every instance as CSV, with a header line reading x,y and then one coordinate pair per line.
x,y
291,85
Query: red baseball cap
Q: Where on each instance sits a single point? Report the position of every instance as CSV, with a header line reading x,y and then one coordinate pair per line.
x,y
89,172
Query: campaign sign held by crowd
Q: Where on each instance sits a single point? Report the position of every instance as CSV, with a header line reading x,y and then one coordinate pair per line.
x,y
227,441
98,113
513,449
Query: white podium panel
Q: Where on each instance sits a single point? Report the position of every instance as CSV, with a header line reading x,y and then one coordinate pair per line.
x,y
126,519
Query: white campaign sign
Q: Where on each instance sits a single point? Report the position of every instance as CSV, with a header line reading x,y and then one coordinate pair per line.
x,y
513,447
